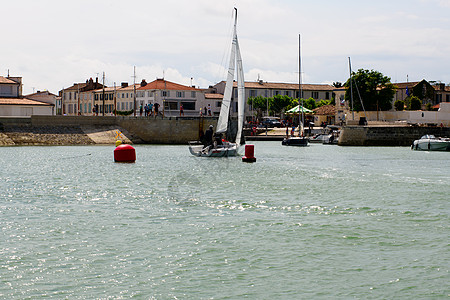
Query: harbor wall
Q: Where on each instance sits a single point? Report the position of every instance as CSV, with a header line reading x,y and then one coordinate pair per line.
x,y
68,130
59,130
387,135
166,131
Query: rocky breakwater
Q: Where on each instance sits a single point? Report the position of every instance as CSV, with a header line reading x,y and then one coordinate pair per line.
x,y
31,135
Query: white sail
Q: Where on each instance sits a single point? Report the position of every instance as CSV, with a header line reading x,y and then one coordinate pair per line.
x,y
222,123
241,93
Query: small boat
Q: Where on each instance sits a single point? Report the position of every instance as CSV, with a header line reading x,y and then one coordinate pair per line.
x,y
295,141
220,147
332,137
429,142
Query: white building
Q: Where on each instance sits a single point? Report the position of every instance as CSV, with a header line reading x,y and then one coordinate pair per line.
x,y
170,96
13,104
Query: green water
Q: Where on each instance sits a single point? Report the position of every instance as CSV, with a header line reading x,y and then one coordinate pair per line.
x,y
318,222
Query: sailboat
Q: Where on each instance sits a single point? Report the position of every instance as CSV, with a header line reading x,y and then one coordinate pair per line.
x,y
220,147
299,141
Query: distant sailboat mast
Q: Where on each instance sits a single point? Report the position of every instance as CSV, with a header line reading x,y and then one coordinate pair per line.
x,y
300,88
351,87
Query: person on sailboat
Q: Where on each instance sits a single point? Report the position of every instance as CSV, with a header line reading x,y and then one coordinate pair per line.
x,y
217,140
208,136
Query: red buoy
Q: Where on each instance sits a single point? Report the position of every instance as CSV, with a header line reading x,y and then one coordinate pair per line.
x,y
124,153
249,154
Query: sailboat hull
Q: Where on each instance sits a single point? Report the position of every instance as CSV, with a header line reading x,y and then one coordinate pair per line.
x,y
229,149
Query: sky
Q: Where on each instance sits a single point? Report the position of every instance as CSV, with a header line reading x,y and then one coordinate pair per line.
x,y
52,44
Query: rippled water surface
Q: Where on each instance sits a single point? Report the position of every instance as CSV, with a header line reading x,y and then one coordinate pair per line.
x,y
300,223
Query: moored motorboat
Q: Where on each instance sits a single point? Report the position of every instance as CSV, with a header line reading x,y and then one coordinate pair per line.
x,y
295,141
429,142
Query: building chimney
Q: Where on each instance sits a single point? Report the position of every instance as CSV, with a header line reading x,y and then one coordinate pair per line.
x,y
124,84
143,82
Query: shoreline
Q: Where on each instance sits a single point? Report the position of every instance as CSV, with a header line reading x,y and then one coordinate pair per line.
x,y
59,131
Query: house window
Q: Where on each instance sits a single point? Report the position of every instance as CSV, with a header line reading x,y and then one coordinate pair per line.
x,y
219,104
188,105
171,105
448,98
327,95
252,93
110,96
276,93
315,95
96,96
287,93
180,94
165,94
193,95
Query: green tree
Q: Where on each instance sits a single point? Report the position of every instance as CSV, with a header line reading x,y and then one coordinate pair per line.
x,y
310,103
323,102
376,90
259,104
399,105
279,103
414,103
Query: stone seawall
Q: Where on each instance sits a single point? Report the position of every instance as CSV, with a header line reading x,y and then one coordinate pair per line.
x,y
387,135
75,130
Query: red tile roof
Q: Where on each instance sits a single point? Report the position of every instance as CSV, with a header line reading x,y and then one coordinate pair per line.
x,y
403,85
22,101
161,84
129,88
214,96
326,110
7,81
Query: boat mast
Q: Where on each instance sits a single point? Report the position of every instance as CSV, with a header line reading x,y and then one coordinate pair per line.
x,y
351,87
300,123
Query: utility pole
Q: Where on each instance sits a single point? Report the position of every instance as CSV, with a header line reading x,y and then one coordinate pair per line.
x,y
103,95
351,87
78,99
115,100
62,101
134,90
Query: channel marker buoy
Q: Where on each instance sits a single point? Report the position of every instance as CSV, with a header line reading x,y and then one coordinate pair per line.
x,y
249,154
125,153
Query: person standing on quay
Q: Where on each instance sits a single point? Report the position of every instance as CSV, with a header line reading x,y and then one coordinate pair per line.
x,y
156,106
181,110
209,109
150,109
